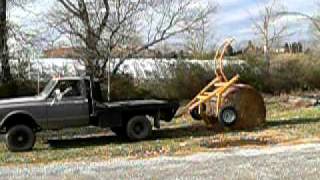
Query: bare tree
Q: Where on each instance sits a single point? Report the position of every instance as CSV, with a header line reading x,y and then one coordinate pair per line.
x,y
315,20
197,40
105,29
5,67
268,29
4,35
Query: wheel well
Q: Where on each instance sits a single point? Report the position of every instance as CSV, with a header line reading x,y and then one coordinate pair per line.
x,y
153,114
23,119
130,115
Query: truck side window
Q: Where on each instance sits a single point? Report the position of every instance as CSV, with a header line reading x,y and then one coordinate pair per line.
x,y
75,85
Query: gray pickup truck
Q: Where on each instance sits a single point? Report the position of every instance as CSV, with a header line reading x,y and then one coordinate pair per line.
x,y
76,102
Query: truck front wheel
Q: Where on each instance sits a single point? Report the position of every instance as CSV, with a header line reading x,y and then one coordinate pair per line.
x,y
20,138
139,128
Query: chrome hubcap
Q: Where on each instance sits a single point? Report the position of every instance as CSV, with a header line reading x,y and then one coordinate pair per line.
x,y
229,116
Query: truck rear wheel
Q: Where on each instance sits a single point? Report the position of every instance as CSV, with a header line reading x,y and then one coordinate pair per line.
x,y
20,138
139,128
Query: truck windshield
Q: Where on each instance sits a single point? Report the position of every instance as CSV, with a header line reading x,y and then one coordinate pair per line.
x,y
48,88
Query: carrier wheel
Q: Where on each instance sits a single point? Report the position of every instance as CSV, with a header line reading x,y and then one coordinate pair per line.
x,y
195,114
228,116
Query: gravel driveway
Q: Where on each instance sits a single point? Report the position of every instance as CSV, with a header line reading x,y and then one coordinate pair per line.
x,y
278,162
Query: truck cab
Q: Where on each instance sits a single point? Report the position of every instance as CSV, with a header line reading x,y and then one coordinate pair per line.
x,y
68,104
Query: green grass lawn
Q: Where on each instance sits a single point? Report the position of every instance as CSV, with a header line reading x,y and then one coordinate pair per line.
x,y
285,124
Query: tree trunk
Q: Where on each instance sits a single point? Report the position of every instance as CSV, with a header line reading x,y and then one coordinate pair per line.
x,y
267,57
4,57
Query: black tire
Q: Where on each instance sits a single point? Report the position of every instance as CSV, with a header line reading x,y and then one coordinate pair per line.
x,y
139,128
120,131
195,114
20,138
228,116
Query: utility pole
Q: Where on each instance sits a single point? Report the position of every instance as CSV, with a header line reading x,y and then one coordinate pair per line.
x,y
4,57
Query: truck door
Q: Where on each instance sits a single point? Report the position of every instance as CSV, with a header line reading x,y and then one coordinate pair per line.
x,y
72,110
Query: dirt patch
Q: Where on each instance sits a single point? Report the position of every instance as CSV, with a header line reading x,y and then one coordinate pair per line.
x,y
244,139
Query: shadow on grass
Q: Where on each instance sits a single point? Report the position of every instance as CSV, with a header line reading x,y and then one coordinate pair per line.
x,y
170,133
176,133
83,142
295,121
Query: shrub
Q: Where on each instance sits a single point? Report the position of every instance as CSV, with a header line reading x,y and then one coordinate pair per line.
x,y
183,81
187,80
123,87
18,88
286,73
284,76
251,75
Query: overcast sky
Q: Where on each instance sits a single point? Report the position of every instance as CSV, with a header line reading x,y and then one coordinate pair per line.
x,y
234,17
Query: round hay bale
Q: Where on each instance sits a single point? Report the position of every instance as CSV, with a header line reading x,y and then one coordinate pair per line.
x,y
249,104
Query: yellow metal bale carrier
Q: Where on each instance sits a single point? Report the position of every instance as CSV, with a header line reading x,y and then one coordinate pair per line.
x,y
225,103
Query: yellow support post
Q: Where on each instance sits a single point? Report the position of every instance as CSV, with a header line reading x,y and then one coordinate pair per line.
x,y
218,86
212,83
